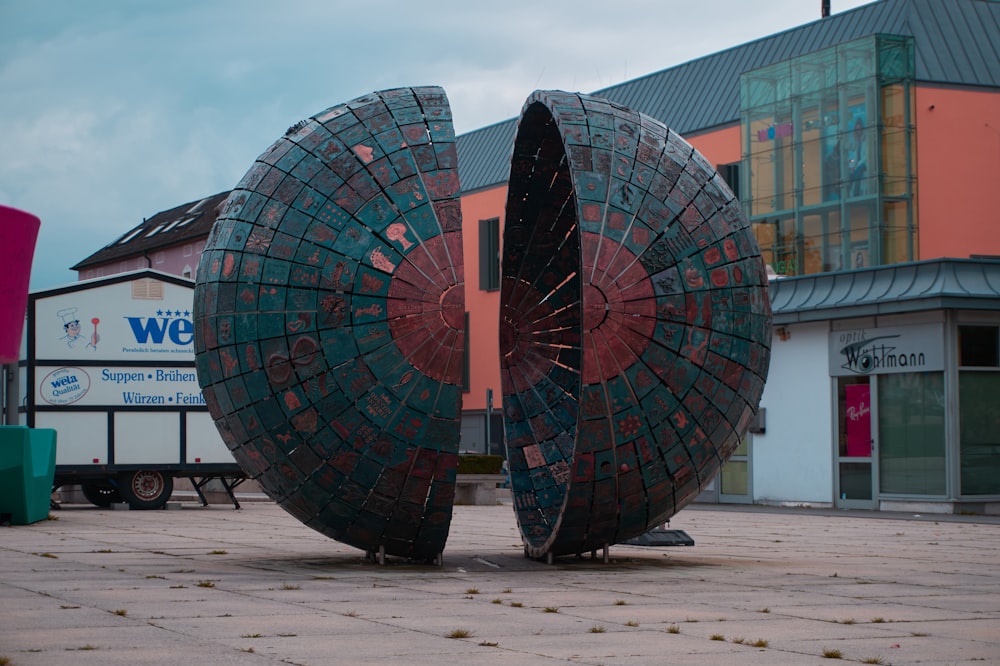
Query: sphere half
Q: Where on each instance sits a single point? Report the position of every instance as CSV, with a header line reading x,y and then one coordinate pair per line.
x,y
329,321
635,327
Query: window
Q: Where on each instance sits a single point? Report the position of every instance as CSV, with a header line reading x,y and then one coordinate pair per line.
x,y
489,254
731,174
827,155
129,236
979,439
147,289
911,433
979,409
979,346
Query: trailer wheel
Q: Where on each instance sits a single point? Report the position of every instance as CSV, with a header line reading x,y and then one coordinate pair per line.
x,y
146,489
100,493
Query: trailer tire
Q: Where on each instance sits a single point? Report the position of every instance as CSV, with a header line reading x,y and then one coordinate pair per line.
x,y
100,493
146,489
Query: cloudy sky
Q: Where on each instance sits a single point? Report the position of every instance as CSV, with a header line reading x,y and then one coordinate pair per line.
x,y
113,110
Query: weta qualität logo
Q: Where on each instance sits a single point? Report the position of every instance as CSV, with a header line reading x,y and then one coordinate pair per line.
x,y
64,386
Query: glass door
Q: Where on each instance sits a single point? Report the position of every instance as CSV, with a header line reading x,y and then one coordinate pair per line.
x,y
855,477
734,479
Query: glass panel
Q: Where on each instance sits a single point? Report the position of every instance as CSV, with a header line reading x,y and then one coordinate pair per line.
x,y
855,481
859,59
761,160
832,147
895,57
776,238
765,234
895,174
741,450
911,433
859,142
832,244
734,478
979,420
811,154
894,105
784,168
813,238
861,223
785,259
896,246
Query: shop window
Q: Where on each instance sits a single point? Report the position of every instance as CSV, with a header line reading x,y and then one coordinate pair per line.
x,y
911,437
979,423
979,346
489,254
979,410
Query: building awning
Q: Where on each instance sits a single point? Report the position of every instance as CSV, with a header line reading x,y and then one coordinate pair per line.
x,y
936,284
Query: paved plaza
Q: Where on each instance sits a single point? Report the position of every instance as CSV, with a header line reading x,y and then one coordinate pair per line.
x,y
214,585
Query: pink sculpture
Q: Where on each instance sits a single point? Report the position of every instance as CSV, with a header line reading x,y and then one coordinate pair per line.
x,y
18,233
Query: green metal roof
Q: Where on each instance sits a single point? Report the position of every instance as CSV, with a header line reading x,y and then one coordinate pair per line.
x,y
935,284
957,42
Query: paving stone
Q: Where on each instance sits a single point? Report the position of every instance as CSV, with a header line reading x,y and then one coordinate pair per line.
x,y
905,590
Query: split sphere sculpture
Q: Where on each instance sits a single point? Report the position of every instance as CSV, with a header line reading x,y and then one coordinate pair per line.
x,y
329,323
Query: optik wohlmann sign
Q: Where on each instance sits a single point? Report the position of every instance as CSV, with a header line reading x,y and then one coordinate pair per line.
x,y
880,351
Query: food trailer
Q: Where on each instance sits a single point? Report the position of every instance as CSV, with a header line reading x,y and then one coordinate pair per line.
x,y
111,367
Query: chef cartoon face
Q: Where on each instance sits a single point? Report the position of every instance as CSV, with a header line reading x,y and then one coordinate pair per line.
x,y
71,325
71,329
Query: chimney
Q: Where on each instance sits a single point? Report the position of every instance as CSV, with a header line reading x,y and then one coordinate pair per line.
x,y
824,8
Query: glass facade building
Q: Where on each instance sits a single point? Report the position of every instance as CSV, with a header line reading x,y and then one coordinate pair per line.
x,y
828,172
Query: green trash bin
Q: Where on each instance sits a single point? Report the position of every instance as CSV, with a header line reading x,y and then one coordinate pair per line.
x,y
27,469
